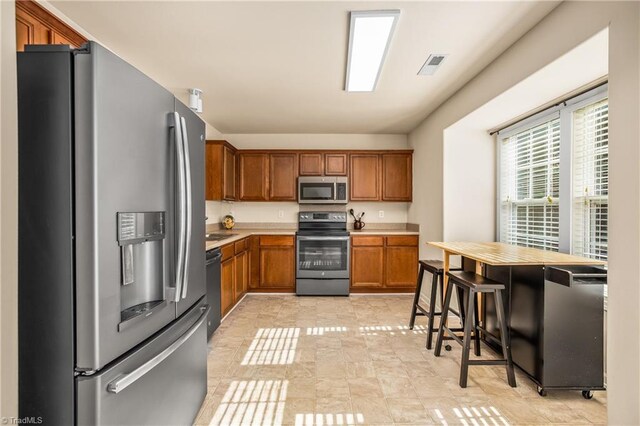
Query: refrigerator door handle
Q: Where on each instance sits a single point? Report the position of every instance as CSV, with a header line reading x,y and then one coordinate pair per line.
x,y
125,380
189,207
177,125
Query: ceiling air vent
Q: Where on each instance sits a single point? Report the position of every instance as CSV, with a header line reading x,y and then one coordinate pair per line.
x,y
432,64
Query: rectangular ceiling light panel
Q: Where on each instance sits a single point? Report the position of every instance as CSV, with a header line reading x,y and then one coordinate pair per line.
x,y
369,37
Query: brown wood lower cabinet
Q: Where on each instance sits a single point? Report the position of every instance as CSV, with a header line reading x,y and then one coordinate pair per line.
x,y
234,271
277,264
242,274
227,272
384,263
367,266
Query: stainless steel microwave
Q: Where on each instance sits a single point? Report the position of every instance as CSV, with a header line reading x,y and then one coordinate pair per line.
x,y
322,190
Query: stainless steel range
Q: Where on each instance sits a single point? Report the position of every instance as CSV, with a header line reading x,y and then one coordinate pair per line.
x,y
322,256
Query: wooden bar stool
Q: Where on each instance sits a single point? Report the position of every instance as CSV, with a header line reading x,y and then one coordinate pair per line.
x,y
436,269
472,284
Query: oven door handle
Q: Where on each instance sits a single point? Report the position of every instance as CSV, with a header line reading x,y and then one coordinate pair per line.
x,y
306,238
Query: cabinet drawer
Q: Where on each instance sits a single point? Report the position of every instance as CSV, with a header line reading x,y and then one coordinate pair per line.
x,y
368,241
276,240
402,240
227,252
241,245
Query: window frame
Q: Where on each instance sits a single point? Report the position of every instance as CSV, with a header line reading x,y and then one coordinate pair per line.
x,y
564,110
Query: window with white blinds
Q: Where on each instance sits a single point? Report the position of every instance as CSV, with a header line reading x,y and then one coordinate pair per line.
x,y
590,170
553,181
530,186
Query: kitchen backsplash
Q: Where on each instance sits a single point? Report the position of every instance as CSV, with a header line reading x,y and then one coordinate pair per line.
x,y
284,212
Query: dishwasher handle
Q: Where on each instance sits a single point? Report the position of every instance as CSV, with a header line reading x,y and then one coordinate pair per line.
x,y
215,257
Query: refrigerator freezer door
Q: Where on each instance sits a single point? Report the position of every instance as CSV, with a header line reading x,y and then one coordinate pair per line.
x,y
124,160
194,287
162,383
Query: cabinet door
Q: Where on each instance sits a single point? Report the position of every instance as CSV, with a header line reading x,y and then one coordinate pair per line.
x,y
30,30
311,164
254,176
335,164
396,177
365,177
401,266
283,171
241,275
227,297
229,174
24,30
277,267
367,266
254,262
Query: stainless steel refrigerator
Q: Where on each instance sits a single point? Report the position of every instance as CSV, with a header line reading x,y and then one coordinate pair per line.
x,y
112,314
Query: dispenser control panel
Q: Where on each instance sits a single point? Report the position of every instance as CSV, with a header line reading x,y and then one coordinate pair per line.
x,y
140,227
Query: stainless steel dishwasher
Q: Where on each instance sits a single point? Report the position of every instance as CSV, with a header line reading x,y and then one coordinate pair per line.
x,y
213,289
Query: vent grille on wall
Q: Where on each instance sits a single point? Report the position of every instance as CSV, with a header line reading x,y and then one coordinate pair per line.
x,y
432,63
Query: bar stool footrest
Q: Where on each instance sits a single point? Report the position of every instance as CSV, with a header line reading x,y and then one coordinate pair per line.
x,y
487,362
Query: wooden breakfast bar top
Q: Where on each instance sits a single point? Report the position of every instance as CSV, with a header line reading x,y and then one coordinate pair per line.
x,y
501,254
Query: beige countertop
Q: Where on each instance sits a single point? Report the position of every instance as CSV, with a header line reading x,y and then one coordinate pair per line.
x,y
383,232
238,234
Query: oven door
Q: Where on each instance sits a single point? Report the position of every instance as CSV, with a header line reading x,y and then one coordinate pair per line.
x,y
322,257
316,192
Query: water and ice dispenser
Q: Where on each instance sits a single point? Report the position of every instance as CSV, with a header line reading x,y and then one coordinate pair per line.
x,y
141,237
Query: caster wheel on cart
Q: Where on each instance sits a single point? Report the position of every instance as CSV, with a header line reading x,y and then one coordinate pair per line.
x,y
447,347
542,392
587,394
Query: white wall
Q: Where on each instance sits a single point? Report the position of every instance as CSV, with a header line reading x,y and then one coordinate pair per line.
x,y
469,184
8,214
564,28
270,211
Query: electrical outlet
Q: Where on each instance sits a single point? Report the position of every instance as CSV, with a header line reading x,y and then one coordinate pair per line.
x,y
280,214
380,214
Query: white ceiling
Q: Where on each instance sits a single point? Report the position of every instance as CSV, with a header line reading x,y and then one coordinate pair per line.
x,y
278,67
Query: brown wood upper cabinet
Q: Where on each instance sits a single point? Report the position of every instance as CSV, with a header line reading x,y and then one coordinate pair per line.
x,y
365,177
311,164
36,25
220,164
396,177
253,176
283,171
335,164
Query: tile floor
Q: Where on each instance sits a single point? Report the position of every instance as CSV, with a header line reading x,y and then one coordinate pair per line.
x,y
353,361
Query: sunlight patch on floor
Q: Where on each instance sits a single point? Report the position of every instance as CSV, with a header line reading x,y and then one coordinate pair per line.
x,y
473,416
320,331
255,402
329,419
272,346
